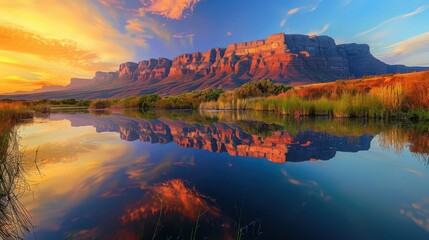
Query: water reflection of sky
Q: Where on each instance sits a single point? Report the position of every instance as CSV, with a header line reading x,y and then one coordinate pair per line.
x,y
92,182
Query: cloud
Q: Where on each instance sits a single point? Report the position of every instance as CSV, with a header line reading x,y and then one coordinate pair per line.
x,y
134,25
15,39
393,19
307,8
118,5
320,32
411,51
109,3
172,196
52,41
183,35
173,9
313,7
229,34
293,11
185,38
24,84
143,28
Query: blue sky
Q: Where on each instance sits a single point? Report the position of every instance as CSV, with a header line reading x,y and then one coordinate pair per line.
x,y
381,24
46,42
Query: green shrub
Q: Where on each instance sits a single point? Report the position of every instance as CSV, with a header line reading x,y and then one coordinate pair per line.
x,y
261,88
100,104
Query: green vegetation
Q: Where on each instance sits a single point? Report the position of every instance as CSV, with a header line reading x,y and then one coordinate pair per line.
x,y
14,220
396,97
189,100
150,101
100,104
13,112
69,102
192,100
242,97
261,88
390,101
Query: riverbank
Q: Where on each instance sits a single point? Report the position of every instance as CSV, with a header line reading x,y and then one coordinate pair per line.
x,y
14,220
13,112
401,96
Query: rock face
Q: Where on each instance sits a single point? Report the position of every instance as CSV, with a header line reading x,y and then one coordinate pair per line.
x,y
292,59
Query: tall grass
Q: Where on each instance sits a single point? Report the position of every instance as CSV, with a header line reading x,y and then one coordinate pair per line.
x,y
391,96
14,219
100,104
13,112
358,105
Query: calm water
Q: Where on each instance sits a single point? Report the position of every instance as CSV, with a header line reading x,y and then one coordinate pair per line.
x,y
152,175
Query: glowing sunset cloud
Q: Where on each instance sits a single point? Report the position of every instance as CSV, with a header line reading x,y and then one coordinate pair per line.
x,y
175,197
174,9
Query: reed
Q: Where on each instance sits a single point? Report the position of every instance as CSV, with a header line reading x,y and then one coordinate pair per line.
x,y
346,105
14,112
14,218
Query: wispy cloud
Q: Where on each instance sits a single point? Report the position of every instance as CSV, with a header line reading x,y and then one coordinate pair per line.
x,y
408,51
393,19
15,39
314,7
173,9
183,35
293,11
321,31
141,29
229,34
306,8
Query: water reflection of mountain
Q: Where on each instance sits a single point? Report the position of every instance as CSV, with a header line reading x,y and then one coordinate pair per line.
x,y
279,146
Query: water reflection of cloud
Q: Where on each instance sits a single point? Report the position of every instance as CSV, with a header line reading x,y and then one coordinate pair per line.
x,y
174,196
418,212
312,187
185,161
73,167
413,171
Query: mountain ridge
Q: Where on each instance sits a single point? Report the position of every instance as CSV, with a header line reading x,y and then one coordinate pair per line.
x,y
284,58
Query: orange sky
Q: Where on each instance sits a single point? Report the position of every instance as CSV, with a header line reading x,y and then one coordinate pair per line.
x,y
48,42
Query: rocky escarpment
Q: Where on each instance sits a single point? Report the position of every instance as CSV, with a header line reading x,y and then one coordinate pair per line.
x,y
292,59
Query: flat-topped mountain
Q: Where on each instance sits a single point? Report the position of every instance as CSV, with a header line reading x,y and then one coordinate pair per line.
x,y
292,59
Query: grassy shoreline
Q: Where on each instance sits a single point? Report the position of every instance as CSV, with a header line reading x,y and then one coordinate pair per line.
x,y
347,106
14,219
402,96
13,112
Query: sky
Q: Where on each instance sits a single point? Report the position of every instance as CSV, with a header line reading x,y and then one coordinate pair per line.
x,y
47,42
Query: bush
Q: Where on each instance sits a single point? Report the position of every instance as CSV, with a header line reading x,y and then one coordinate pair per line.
x,y
83,103
100,104
261,88
69,101
148,101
